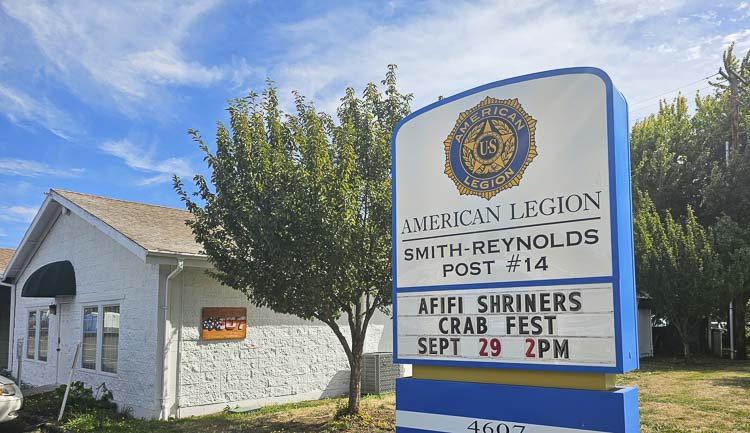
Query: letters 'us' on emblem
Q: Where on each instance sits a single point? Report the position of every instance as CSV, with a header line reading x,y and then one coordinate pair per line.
x,y
490,147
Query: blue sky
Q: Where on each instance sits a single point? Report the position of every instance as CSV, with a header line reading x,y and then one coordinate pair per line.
x,y
97,97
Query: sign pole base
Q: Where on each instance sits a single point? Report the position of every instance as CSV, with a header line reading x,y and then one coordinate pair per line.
x,y
550,379
439,406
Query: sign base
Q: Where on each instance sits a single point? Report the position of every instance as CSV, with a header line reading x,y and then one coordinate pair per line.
x,y
460,407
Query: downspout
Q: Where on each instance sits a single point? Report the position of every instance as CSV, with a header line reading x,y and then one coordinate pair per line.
x,y
165,356
12,330
178,379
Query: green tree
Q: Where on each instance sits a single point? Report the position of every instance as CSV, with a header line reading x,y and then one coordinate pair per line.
x,y
663,157
727,198
679,162
298,211
676,264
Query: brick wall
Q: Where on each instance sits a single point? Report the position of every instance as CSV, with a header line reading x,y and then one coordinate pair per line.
x,y
283,358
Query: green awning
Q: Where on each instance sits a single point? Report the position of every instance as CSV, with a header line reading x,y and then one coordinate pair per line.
x,y
53,279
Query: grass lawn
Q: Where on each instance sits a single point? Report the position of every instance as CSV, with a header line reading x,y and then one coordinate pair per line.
x,y
705,396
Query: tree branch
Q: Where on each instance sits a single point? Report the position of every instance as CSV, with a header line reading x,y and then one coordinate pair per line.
x,y
342,339
368,315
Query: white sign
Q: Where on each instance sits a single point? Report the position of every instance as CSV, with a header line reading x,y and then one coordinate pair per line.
x,y
505,194
553,224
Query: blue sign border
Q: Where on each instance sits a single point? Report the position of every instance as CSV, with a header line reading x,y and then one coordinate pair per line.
x,y
623,267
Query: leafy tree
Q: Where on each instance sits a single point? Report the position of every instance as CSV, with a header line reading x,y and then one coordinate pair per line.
x,y
679,162
727,195
298,211
662,157
677,265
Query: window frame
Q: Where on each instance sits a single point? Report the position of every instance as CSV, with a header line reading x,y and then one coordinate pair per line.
x,y
40,313
99,308
31,350
101,340
83,334
37,312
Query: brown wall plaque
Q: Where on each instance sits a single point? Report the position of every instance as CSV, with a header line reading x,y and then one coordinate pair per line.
x,y
223,323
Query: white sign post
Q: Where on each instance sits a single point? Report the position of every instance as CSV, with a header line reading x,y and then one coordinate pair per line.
x,y
513,248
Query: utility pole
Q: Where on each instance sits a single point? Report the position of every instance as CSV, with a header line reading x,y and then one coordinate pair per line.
x,y
732,353
734,77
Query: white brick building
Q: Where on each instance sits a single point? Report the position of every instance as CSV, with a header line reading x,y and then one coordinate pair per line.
x,y
138,292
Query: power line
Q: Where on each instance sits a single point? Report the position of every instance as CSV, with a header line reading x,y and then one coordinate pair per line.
x,y
645,109
674,90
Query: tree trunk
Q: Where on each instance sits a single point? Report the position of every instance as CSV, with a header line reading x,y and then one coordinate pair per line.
x,y
355,381
740,343
683,329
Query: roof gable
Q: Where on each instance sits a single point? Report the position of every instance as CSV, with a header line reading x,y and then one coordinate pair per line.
x,y
153,228
5,255
143,229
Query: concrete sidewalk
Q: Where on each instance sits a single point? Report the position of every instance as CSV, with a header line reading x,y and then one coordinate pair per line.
x,y
28,392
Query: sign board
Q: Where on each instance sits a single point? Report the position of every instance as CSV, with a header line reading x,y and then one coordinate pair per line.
x,y
489,408
223,323
512,233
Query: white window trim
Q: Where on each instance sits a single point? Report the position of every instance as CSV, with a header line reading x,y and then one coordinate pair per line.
x,y
99,338
37,334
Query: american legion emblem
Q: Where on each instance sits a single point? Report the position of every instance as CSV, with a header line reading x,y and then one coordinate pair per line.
x,y
490,147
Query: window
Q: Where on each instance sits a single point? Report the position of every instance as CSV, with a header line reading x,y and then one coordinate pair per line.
x,y
90,325
100,349
31,341
37,340
43,335
110,338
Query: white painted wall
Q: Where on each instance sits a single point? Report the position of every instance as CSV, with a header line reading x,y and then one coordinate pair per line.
x,y
645,334
105,272
283,358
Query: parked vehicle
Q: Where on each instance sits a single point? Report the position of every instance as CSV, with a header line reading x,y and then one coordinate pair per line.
x,y
11,400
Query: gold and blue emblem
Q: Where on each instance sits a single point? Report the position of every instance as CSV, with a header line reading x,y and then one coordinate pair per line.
x,y
490,147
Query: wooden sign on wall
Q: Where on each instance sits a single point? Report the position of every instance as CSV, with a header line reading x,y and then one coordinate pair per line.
x,y
223,323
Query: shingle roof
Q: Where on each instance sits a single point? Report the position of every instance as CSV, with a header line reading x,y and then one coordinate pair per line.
x,y
155,228
5,255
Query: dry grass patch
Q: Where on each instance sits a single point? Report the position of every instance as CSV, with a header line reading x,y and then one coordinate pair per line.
x,y
377,416
707,395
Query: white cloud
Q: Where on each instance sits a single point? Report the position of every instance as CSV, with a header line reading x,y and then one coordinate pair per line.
x,y
28,168
694,53
129,47
630,11
144,161
645,46
741,40
241,71
22,109
665,49
17,213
